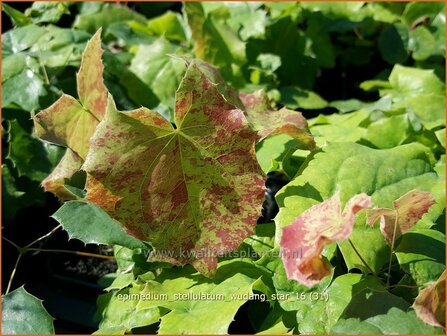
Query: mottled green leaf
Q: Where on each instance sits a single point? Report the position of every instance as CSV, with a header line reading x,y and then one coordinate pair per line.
x,y
90,224
421,253
19,39
350,168
247,18
430,303
269,122
194,189
23,313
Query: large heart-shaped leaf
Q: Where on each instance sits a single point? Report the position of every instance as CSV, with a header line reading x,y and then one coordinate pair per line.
x,y
195,190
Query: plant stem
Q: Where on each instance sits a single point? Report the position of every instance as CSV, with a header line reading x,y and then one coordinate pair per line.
x,y
360,257
13,273
85,254
44,236
392,249
13,244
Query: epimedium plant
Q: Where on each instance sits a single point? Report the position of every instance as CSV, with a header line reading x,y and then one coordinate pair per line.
x,y
178,192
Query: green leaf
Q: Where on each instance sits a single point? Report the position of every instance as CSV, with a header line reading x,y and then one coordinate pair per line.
x,y
19,39
423,43
121,281
119,315
323,315
380,312
32,89
248,19
46,11
204,161
395,321
108,15
214,41
11,195
88,223
415,11
294,97
393,43
23,313
388,132
349,168
31,157
17,17
160,71
169,25
179,290
421,253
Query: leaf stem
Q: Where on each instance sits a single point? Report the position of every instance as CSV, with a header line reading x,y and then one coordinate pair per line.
x,y
360,257
13,273
392,249
44,236
84,254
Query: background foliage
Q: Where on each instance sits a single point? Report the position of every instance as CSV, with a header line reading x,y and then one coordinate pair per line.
x,y
368,76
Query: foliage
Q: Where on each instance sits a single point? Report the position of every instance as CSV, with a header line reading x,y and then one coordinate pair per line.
x,y
162,141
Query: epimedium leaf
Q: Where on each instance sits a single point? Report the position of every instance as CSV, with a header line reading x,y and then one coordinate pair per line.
x,y
302,241
196,188
421,254
107,15
322,315
23,313
118,312
378,311
348,167
170,25
17,17
46,11
90,224
408,210
66,123
160,71
215,42
193,300
71,123
69,165
31,157
269,122
429,305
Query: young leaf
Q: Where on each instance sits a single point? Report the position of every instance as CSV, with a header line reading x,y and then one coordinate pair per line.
x,y
302,242
408,210
193,191
23,313
71,123
268,122
430,303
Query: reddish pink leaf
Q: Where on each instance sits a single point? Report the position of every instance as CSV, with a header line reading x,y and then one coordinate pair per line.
x,y
268,122
430,303
194,191
408,210
303,241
